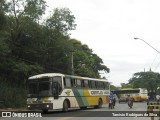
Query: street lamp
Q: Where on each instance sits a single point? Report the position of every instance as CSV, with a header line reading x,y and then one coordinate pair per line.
x,y
147,44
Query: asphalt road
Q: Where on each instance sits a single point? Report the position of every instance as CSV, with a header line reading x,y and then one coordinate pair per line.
x,y
120,112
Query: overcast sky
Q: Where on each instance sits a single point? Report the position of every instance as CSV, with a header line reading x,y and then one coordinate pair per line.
x,y
108,27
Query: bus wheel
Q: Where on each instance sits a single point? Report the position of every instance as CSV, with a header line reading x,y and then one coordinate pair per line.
x,y
45,111
133,100
65,106
83,108
100,102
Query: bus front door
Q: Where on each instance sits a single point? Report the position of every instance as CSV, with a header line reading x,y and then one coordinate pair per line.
x,y
56,88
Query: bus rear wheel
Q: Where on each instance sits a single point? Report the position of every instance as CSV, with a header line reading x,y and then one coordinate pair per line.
x,y
45,111
83,108
65,106
100,102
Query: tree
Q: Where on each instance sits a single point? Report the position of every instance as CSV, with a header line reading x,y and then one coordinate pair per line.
x,y
34,9
126,85
62,20
112,87
15,66
86,63
149,80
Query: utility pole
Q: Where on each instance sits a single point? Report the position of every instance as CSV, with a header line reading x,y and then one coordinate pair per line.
x,y
72,66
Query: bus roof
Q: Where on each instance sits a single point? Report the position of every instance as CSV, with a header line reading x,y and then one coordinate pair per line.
x,y
59,74
86,78
129,88
126,91
46,75
103,80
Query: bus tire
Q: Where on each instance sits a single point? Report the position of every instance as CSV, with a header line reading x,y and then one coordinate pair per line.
x,y
45,111
133,100
83,108
100,102
140,100
65,106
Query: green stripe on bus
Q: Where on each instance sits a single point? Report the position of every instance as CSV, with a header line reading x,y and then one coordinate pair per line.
x,y
81,100
84,99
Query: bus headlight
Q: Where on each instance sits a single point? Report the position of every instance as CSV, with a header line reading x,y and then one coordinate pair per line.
x,y
28,106
47,106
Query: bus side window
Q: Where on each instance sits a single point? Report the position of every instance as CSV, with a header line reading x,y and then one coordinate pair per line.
x,y
102,85
78,83
73,83
56,88
89,84
86,83
82,83
64,82
93,84
106,85
96,83
67,82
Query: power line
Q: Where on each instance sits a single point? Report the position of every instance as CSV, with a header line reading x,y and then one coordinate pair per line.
x,y
154,60
151,47
157,65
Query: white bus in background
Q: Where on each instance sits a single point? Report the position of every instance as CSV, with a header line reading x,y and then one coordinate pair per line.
x,y
52,91
143,93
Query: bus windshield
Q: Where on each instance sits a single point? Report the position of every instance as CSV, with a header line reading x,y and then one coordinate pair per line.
x,y
39,87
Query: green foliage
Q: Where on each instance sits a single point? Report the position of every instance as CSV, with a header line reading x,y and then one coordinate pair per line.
x,y
2,19
11,95
112,87
4,6
61,20
127,85
149,80
35,9
86,63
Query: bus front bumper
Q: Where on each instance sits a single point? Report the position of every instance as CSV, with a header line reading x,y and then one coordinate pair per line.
x,y
40,106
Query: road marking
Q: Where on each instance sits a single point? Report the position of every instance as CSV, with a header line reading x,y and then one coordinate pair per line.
x,y
65,118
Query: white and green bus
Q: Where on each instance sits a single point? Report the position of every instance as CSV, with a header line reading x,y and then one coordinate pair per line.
x,y
52,91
